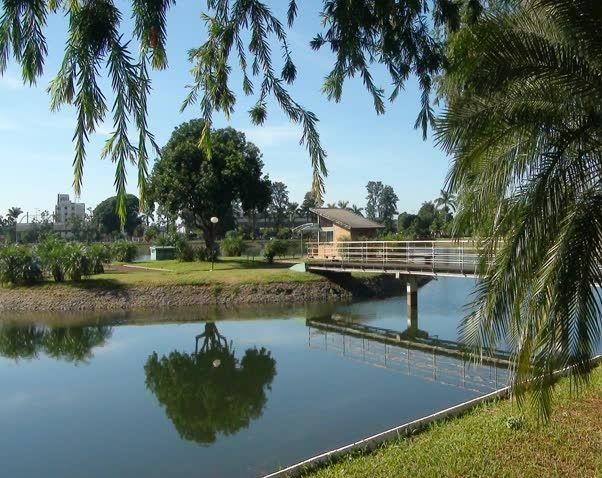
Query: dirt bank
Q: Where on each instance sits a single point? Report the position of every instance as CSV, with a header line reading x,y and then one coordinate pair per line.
x,y
71,298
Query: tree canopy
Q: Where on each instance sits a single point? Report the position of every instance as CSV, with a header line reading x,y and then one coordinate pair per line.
x,y
211,391
381,203
280,202
189,183
106,220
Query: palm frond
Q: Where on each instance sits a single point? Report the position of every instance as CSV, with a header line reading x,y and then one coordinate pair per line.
x,y
523,123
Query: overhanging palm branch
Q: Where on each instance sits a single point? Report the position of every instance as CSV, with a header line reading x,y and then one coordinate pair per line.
x,y
524,125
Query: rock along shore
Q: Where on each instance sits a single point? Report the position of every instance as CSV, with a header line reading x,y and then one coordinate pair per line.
x,y
73,298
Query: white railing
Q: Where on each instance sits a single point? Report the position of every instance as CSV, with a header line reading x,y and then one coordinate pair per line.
x,y
456,256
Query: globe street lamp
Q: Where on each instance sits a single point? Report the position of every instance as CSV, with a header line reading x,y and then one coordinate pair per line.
x,y
214,220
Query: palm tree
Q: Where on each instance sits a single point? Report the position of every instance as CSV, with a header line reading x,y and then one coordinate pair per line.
x,y
523,124
11,218
331,205
342,204
446,200
357,210
13,214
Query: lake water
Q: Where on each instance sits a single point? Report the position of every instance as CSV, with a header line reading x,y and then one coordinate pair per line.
x,y
126,395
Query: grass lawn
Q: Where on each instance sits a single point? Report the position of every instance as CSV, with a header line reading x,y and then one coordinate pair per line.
x,y
226,271
480,444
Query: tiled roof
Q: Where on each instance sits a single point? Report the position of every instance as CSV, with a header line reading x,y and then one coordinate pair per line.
x,y
346,218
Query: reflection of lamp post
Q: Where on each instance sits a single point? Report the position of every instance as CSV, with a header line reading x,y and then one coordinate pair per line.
x,y
214,220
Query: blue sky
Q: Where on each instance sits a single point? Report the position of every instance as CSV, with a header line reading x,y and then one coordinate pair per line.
x,y
36,147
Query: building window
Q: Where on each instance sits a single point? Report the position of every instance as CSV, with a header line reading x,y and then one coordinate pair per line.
x,y
326,236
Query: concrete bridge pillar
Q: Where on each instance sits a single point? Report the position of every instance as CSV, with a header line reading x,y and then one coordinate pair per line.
x,y
412,293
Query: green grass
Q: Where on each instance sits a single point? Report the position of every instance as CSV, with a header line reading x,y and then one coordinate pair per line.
x,y
229,270
481,444
226,271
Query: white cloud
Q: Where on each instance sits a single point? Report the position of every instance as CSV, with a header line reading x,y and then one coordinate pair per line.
x,y
265,136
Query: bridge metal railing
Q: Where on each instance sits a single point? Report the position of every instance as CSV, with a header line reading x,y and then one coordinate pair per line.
x,y
479,378
434,256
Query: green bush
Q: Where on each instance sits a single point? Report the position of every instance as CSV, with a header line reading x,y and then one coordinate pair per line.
x,y
233,244
151,233
98,256
52,252
200,253
284,233
77,263
274,248
184,251
19,266
123,251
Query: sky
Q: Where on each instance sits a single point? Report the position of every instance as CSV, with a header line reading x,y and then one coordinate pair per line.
x,y
36,149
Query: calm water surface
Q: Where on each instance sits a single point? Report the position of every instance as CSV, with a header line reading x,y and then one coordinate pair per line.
x,y
112,397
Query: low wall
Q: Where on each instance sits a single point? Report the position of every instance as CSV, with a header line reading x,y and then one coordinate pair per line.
x,y
402,431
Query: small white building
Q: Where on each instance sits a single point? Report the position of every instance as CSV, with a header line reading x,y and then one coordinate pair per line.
x,y
65,210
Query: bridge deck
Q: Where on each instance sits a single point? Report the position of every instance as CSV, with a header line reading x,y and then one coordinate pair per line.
x,y
427,258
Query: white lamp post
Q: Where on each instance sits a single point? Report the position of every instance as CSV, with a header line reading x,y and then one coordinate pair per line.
x,y
214,220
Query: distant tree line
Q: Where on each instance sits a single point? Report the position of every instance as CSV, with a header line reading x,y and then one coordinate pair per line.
x,y
433,220
187,188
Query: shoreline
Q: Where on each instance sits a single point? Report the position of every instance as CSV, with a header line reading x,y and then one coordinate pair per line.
x,y
137,297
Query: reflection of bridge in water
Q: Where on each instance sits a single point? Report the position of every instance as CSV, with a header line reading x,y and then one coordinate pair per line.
x,y
411,352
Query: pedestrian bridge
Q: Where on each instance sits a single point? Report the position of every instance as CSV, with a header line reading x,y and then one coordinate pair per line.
x,y
418,258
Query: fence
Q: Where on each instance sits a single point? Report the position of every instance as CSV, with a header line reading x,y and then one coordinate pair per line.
x,y
452,256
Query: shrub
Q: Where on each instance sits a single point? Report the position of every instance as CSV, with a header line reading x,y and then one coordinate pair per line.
x,y
98,256
123,251
151,233
200,253
19,266
162,241
274,248
515,423
52,251
184,251
233,244
284,233
76,262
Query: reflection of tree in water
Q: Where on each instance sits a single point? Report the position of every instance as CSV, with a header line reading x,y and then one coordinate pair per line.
x,y
211,391
73,344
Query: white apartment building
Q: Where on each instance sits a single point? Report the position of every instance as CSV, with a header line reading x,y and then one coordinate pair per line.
x,y
65,210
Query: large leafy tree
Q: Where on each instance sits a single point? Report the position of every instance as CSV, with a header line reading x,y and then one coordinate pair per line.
x,y
403,36
189,183
211,391
279,204
374,190
310,201
381,203
523,123
387,206
107,221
